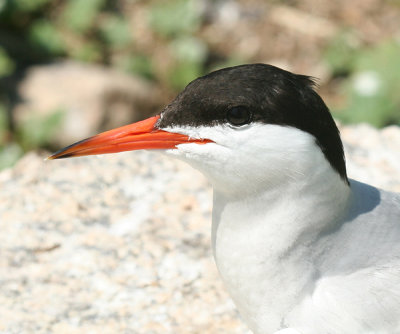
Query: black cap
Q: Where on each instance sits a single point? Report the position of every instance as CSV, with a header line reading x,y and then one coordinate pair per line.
x,y
272,95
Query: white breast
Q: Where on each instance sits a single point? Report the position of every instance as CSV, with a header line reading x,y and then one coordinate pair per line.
x,y
263,248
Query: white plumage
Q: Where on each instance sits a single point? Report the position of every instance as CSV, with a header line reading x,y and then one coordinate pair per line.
x,y
296,246
300,249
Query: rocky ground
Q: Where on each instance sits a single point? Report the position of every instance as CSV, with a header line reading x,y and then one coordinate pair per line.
x,y
120,244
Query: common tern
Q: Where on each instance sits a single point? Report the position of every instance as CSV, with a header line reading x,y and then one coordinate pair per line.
x,y
300,247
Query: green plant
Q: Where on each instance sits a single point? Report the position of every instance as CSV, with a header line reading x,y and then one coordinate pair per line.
x,y
136,64
3,124
38,131
22,5
190,54
88,30
9,155
115,31
45,35
6,63
30,134
79,15
182,73
38,31
178,21
341,53
372,86
99,31
90,52
172,18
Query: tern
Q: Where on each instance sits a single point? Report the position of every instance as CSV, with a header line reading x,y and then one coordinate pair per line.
x,y
300,247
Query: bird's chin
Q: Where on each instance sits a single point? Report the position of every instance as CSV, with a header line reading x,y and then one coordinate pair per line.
x,y
193,154
200,157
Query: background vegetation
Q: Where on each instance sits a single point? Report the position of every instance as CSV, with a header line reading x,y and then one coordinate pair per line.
x,y
172,42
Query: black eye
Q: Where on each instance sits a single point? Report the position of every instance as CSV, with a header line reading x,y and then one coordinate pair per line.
x,y
238,116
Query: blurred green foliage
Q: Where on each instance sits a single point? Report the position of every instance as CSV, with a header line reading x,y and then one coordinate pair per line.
x,y
190,54
371,85
178,21
138,64
100,31
6,64
9,154
341,53
35,31
115,31
37,131
3,124
92,31
80,15
46,37
174,18
22,5
88,30
30,134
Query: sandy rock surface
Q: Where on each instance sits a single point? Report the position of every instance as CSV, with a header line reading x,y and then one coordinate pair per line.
x,y
120,244
373,156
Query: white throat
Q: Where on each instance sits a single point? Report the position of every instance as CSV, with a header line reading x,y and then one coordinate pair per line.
x,y
263,245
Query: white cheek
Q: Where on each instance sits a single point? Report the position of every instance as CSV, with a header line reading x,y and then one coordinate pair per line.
x,y
208,154
258,155
202,156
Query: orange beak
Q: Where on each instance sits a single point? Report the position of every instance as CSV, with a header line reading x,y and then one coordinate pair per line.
x,y
136,136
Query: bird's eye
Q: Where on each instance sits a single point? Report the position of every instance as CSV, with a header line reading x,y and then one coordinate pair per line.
x,y
238,116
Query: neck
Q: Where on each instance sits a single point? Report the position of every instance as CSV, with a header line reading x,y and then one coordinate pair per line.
x,y
265,241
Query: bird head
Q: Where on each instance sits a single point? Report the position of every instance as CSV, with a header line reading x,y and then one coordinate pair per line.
x,y
254,125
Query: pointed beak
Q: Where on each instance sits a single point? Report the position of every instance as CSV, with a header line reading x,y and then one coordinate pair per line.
x,y
136,136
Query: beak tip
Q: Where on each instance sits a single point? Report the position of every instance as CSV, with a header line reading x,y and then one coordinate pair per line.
x,y
57,155
66,151
51,157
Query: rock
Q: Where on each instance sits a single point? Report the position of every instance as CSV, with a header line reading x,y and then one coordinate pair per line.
x,y
373,156
121,243
109,244
92,98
